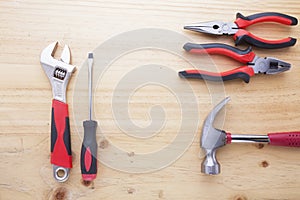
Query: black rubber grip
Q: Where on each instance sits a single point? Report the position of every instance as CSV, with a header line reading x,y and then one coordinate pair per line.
x,y
293,20
88,157
66,134
54,134
266,45
244,76
61,154
190,46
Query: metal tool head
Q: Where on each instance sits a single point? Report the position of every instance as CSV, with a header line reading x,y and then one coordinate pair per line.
x,y
270,65
66,55
61,174
211,140
213,27
58,71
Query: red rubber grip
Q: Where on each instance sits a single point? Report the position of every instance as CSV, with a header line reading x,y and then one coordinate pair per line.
x,y
289,139
244,36
61,154
244,69
242,23
244,73
244,56
88,161
222,51
88,156
228,138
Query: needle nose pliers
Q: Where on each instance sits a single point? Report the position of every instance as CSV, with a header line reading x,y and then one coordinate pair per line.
x,y
255,64
241,35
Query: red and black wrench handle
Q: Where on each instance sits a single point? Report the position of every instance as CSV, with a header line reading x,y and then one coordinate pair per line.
x,y
244,56
287,139
244,36
61,154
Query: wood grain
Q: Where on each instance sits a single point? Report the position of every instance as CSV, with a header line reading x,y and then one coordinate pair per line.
x,y
266,104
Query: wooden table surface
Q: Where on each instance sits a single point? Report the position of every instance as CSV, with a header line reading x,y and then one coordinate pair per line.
x,y
266,104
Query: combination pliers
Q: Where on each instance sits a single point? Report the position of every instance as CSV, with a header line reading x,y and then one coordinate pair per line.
x,y
255,64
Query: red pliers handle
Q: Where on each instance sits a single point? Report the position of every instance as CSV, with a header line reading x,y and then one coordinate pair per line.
x,y
243,36
243,56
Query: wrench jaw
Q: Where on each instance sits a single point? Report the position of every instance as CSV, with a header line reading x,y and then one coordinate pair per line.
x,y
57,71
66,55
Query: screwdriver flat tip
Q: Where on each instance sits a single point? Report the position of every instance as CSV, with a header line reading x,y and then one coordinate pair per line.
x,y
90,55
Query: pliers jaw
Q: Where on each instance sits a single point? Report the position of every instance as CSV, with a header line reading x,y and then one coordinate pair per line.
x,y
214,28
270,65
58,71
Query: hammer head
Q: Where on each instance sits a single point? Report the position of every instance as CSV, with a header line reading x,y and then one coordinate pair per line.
x,y
211,140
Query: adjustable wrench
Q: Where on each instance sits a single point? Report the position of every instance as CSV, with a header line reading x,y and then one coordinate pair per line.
x,y
59,73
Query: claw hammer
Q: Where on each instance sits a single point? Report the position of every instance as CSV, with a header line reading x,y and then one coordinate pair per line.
x,y
213,138
59,73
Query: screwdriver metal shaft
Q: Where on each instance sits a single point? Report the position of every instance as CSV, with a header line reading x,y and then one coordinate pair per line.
x,y
88,159
90,65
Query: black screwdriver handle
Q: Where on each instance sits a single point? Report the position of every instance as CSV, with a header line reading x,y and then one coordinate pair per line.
x,y
88,157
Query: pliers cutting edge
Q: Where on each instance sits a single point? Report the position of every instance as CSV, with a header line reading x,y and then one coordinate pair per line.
x,y
240,35
255,64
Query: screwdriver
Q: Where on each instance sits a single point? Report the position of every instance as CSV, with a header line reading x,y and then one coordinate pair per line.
x,y
88,157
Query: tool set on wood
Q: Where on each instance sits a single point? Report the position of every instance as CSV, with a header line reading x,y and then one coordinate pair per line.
x,y
60,71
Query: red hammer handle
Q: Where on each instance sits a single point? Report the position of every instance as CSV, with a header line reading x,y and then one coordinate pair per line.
x,y
289,139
